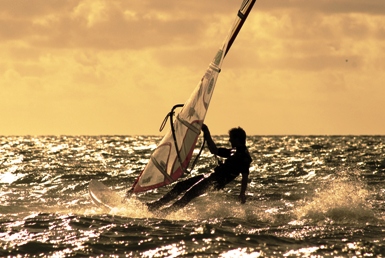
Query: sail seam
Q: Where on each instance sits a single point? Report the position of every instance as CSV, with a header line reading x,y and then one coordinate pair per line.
x,y
188,125
161,169
215,68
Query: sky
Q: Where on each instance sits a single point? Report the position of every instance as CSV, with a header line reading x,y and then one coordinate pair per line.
x,y
102,67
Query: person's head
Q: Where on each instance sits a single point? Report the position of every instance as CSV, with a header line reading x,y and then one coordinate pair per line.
x,y
237,137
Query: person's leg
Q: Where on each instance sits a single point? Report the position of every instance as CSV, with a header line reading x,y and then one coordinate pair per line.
x,y
179,188
196,190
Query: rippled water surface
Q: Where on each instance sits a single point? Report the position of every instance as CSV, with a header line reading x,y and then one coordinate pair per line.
x,y
307,196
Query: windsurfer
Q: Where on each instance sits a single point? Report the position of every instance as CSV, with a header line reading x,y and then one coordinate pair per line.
x,y
237,162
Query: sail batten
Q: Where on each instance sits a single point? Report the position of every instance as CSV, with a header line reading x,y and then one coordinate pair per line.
x,y
171,158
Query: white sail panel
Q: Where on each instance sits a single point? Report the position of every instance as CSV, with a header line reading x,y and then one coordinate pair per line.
x,y
172,156
164,166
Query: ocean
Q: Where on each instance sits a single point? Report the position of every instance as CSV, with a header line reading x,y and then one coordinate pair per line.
x,y
308,196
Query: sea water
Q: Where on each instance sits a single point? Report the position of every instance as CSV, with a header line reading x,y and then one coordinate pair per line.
x,y
308,196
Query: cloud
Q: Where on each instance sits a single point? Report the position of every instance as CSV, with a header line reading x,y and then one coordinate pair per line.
x,y
374,7
79,63
101,24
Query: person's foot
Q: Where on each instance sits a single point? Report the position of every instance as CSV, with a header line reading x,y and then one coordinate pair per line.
x,y
153,206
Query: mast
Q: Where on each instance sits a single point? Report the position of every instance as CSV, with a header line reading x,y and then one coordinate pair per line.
x,y
243,13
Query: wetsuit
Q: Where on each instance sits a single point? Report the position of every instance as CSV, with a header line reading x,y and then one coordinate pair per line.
x,y
237,162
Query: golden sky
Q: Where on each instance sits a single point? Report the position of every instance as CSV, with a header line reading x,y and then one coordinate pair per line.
x,y
96,67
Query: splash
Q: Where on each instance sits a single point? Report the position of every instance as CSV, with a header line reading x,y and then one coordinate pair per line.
x,y
130,208
220,205
342,200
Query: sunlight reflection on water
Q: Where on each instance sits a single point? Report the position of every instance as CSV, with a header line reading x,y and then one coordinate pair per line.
x,y
302,192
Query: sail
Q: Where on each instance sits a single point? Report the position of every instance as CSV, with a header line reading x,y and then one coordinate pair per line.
x,y
172,156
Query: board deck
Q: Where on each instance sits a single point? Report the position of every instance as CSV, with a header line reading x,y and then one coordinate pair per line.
x,y
103,196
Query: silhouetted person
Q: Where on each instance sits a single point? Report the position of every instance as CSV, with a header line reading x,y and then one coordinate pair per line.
x,y
238,162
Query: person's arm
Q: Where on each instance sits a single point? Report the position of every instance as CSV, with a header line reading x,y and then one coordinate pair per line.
x,y
210,143
242,195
